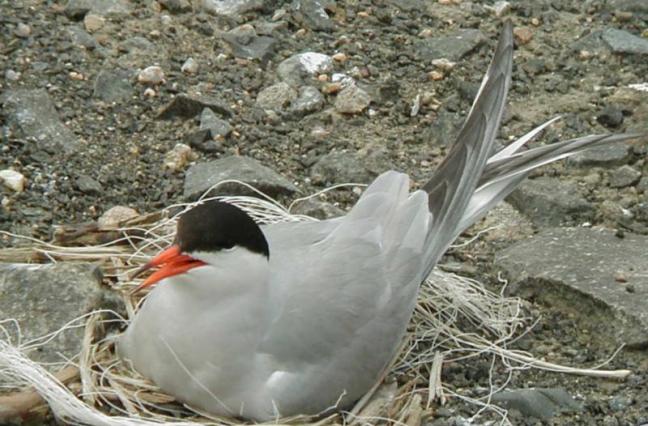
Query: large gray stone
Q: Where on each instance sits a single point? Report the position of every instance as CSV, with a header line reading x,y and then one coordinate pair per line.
x,y
302,67
43,298
202,176
541,403
312,14
245,43
604,156
113,86
624,42
350,167
76,9
453,46
32,114
551,202
591,274
232,8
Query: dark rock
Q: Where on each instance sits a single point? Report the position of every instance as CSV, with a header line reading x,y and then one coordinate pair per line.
x,y
176,6
312,14
317,209
301,67
184,106
202,176
539,403
344,167
452,47
218,128
32,114
87,185
574,270
113,86
308,100
624,42
642,186
201,140
79,37
551,202
244,43
232,8
277,97
606,156
624,176
43,298
77,9
610,117
352,100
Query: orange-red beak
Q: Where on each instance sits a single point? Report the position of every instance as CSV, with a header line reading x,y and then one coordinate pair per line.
x,y
171,262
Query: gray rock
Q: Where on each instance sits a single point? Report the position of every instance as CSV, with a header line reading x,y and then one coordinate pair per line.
x,y
312,14
202,141
352,100
200,177
244,43
231,8
277,97
541,403
176,6
624,42
344,167
87,185
409,5
575,270
610,117
217,127
452,47
317,209
624,176
184,106
642,186
43,298
80,37
640,6
137,44
619,403
32,114
77,9
308,100
606,156
301,67
113,86
551,202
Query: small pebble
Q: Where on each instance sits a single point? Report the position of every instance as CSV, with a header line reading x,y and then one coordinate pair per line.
x,y
76,75
190,66
151,75
116,215
166,20
501,8
179,157
331,88
535,22
620,277
523,35
340,57
426,33
23,30
585,55
13,180
436,75
323,78
12,75
630,288
93,22
443,64
150,93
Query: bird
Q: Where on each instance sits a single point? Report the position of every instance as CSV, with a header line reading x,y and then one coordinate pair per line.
x,y
263,321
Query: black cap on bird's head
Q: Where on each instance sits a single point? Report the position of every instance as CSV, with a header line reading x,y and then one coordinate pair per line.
x,y
210,227
216,225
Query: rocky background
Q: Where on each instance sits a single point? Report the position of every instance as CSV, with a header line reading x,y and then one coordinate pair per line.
x,y
120,107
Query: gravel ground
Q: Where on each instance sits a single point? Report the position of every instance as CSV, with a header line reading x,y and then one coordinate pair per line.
x,y
107,144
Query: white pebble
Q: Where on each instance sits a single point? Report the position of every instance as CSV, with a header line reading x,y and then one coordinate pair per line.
x,y
179,157
13,180
116,215
190,66
12,75
151,75
23,30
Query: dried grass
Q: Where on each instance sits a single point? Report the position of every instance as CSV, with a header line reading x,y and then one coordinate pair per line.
x,y
456,319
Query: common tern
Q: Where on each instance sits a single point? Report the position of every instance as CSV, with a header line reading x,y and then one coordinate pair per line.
x,y
303,318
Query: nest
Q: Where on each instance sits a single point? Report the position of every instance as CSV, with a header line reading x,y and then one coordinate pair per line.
x,y
456,319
